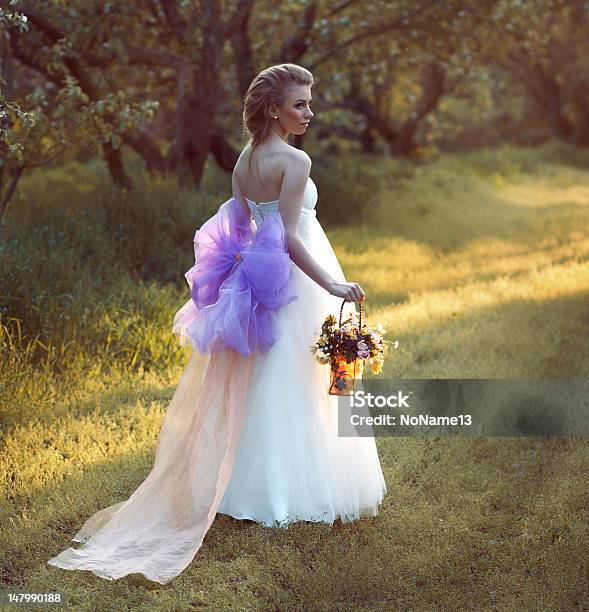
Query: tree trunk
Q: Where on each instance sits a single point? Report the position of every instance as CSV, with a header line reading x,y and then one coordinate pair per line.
x,y
559,126
194,130
147,148
116,168
224,153
548,93
198,97
404,144
580,134
6,196
432,91
367,141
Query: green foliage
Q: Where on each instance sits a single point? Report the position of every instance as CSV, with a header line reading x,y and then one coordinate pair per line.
x,y
461,198
77,268
74,298
14,122
146,226
349,185
38,127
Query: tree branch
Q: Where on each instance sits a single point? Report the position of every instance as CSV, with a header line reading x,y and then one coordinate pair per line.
x,y
177,24
295,46
374,31
237,22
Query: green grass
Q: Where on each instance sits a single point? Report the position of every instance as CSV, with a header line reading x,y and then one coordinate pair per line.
x,y
478,263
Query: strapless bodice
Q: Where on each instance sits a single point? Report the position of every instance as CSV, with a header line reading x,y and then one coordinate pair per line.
x,y
262,210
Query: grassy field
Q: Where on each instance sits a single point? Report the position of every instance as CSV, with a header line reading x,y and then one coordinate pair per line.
x,y
478,263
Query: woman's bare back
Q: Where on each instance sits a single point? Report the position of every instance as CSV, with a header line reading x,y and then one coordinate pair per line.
x,y
261,181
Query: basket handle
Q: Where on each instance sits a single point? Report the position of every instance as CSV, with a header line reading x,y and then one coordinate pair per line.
x,y
341,311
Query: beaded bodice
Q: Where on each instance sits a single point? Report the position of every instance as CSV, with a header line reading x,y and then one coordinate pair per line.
x,y
262,210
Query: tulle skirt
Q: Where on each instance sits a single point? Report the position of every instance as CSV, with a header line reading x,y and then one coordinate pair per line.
x,y
249,436
290,463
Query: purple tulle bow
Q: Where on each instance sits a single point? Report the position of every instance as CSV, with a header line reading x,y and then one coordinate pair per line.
x,y
241,277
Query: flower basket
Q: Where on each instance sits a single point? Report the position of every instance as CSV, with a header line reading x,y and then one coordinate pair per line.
x,y
343,373
344,376
346,347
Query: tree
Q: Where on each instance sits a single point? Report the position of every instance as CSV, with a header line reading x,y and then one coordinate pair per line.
x,y
398,75
38,126
544,44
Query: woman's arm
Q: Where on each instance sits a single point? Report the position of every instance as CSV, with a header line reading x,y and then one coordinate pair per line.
x,y
296,175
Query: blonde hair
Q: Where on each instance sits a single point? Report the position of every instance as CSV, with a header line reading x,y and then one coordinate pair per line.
x,y
269,87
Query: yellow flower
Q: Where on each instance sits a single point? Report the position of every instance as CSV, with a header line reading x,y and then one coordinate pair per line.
x,y
376,367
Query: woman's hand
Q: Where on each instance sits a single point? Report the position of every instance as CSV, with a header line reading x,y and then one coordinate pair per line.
x,y
352,292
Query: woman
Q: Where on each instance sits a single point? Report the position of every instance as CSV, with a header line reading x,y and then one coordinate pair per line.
x,y
251,430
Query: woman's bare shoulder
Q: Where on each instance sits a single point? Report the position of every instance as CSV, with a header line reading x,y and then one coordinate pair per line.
x,y
244,152
297,157
281,157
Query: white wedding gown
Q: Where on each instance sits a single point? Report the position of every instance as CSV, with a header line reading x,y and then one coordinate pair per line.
x,y
290,463
252,437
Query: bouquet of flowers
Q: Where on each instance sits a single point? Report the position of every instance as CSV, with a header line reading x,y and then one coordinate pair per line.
x,y
345,347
